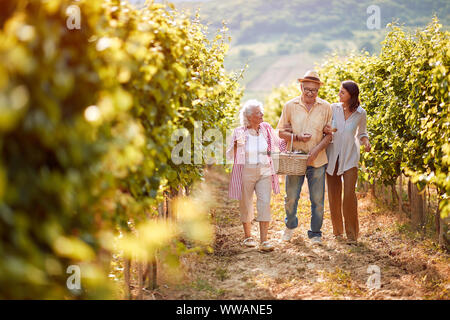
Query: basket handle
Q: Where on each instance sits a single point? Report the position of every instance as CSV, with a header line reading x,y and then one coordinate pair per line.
x,y
292,141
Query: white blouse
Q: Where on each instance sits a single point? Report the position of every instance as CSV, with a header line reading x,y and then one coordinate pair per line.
x,y
256,150
346,140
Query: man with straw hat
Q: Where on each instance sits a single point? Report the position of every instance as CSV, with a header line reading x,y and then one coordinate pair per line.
x,y
303,118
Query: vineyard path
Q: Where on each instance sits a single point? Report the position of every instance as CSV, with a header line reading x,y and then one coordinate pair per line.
x,y
411,265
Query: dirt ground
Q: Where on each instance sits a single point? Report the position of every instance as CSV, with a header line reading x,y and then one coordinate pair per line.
x,y
411,265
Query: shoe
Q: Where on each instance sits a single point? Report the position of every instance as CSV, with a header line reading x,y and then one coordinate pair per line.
x,y
287,235
352,242
249,242
266,246
339,238
316,240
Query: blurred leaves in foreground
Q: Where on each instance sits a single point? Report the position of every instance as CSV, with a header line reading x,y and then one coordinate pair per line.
x,y
86,117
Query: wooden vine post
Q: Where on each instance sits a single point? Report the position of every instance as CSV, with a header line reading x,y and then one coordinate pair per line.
x,y
400,193
418,207
126,272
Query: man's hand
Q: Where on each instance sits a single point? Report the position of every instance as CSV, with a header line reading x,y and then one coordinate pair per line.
x,y
286,135
312,155
304,137
288,129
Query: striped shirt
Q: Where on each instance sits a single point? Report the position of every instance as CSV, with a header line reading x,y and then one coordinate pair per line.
x,y
240,135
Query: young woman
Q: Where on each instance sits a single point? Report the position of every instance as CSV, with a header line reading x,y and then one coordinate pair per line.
x,y
349,118
253,172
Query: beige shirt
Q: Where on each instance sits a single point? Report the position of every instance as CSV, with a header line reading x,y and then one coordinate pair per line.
x,y
296,115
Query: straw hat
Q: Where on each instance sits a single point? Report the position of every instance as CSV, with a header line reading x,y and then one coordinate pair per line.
x,y
311,76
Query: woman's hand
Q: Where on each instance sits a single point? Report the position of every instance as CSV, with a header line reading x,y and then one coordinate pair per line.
x,y
366,144
327,129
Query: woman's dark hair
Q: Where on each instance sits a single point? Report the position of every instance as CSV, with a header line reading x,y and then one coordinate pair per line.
x,y
353,89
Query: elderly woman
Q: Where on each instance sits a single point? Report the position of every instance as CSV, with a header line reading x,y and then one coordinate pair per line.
x,y
250,148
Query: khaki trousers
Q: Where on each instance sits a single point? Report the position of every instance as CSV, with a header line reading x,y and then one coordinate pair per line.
x,y
349,207
256,179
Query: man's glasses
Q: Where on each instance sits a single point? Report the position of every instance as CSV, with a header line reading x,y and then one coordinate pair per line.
x,y
312,91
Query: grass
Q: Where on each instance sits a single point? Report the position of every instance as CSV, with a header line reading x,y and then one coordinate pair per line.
x,y
433,247
406,229
339,283
222,220
222,273
361,247
438,289
426,236
204,286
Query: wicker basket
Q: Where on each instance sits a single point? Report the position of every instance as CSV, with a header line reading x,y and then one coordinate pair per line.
x,y
290,163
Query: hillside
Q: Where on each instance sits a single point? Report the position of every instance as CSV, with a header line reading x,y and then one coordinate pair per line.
x,y
297,33
263,20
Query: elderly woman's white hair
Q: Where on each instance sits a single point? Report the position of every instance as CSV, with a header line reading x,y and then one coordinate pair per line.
x,y
247,109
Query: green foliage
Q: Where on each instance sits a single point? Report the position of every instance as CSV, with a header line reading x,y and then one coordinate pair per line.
x,y
86,118
276,100
405,91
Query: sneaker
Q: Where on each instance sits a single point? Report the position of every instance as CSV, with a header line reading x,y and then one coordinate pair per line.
x,y
316,240
287,235
266,246
352,242
249,242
